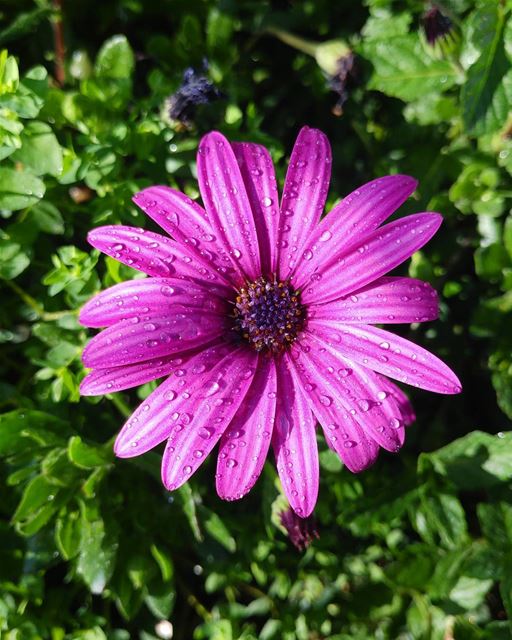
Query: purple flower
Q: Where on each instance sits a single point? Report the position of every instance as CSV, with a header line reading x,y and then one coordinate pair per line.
x,y
261,316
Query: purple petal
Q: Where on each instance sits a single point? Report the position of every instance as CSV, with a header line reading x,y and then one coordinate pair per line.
x,y
150,296
174,404
153,254
386,300
244,445
388,354
294,443
219,397
151,336
342,432
304,195
355,216
113,379
375,255
226,201
186,222
354,392
259,178
406,408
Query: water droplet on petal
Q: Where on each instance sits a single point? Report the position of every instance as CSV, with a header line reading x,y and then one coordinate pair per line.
x,y
307,255
350,444
212,389
326,400
326,235
364,405
231,463
267,202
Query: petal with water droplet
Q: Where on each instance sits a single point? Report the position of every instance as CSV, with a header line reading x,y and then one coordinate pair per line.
x,y
354,217
244,440
209,417
304,194
259,178
374,256
185,221
225,197
294,443
126,299
387,300
402,360
127,342
349,441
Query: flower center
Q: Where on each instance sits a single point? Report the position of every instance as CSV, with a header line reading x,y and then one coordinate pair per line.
x,y
268,314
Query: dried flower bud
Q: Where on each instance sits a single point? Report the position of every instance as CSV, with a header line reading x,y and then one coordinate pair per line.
x,y
196,88
338,82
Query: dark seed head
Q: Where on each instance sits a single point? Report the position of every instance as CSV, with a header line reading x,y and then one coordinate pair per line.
x,y
268,314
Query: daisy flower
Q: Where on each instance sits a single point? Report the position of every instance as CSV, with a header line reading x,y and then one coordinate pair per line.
x,y
261,317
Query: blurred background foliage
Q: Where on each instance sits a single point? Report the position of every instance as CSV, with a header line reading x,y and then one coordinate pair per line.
x,y
419,546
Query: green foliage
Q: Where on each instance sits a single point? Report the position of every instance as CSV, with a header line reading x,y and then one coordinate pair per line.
x,y
419,546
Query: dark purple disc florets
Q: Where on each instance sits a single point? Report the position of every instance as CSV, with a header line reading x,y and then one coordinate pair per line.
x,y
268,314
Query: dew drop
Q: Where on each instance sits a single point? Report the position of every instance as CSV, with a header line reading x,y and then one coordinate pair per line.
x,y
326,235
384,345
231,463
212,389
206,432
198,453
364,405
267,202
187,469
349,444
307,255
326,400
382,395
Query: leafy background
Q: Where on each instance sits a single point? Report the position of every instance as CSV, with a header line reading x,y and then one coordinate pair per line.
x,y
419,546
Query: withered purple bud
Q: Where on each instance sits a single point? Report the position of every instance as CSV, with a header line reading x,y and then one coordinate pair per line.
x,y
339,81
436,25
196,88
301,531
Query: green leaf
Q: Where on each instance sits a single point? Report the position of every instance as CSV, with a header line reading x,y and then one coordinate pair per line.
x,y
13,259
469,593
38,492
442,517
506,587
217,529
474,461
487,92
40,150
98,550
46,217
86,456
19,189
28,429
68,534
24,23
402,70
491,260
115,59
164,562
